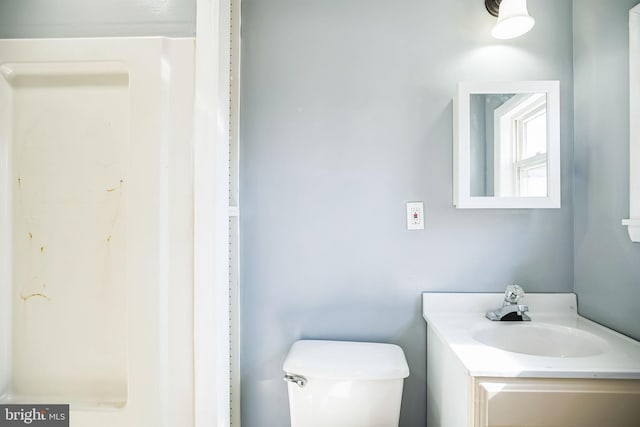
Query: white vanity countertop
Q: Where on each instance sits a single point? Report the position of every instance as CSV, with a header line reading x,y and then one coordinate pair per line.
x,y
456,317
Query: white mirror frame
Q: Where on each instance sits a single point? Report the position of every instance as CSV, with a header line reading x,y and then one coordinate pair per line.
x,y
462,197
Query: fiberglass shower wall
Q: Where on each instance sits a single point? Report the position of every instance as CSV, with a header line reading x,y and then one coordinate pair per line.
x,y
96,228
69,124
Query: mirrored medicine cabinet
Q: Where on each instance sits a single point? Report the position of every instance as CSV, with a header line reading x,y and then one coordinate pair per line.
x,y
507,145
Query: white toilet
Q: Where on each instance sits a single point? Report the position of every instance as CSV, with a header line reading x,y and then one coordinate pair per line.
x,y
345,384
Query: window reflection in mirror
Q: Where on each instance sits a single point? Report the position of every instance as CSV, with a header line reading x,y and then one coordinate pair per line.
x,y
508,144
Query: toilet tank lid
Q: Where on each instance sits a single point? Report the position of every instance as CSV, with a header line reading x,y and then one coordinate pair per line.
x,y
346,360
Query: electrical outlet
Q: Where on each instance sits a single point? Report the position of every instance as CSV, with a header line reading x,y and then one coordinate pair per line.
x,y
415,216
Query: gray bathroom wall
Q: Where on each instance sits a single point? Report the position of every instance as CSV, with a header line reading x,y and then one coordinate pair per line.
x,y
96,18
346,114
607,263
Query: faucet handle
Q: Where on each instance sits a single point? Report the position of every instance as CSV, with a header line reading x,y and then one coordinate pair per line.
x,y
513,294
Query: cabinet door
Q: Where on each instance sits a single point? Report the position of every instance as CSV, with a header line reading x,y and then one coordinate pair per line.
x,y
501,402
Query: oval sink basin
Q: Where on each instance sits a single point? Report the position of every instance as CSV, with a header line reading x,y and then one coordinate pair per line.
x,y
540,339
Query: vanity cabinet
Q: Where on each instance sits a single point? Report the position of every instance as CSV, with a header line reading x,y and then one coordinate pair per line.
x,y
554,402
455,398
558,370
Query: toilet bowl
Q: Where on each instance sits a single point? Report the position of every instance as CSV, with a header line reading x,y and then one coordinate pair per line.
x,y
345,384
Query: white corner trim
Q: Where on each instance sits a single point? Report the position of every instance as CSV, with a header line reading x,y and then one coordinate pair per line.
x,y
211,215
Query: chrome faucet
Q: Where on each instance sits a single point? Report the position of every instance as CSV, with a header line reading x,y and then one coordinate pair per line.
x,y
511,310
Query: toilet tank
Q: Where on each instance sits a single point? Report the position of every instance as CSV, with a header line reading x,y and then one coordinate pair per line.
x,y
345,384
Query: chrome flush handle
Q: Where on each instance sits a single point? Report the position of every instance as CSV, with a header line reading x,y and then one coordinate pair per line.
x,y
298,379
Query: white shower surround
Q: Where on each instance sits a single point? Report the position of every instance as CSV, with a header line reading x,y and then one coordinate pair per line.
x,y
139,175
149,326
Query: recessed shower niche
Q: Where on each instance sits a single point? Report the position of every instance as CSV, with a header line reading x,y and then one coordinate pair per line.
x,y
96,227
68,131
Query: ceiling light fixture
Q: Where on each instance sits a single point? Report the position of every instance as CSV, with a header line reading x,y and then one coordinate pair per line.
x,y
513,18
